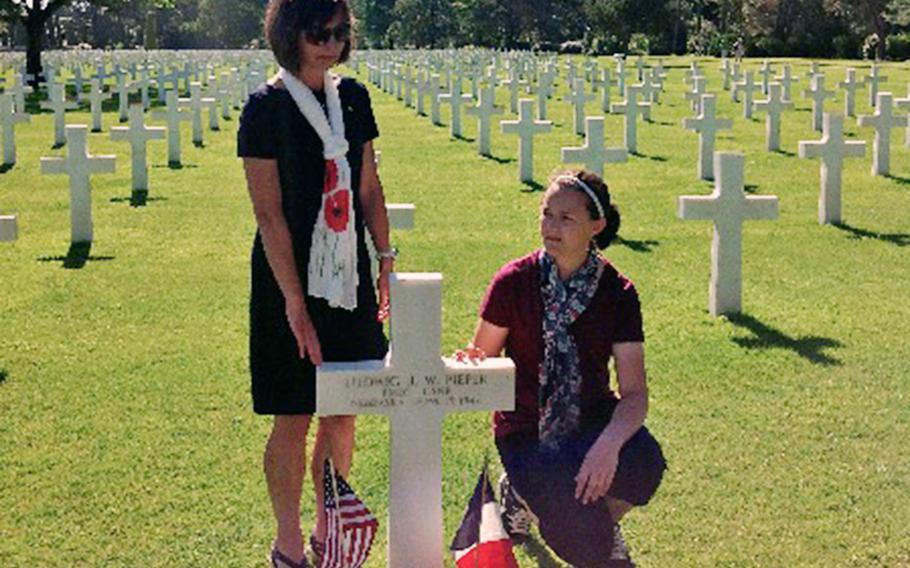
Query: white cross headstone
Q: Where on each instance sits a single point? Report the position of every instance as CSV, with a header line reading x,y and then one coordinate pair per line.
x,y
578,98
18,91
456,100
874,80
195,104
850,86
485,110
79,166
630,108
707,124
765,71
9,118
727,70
832,149
416,389
774,105
594,154
818,94
699,84
138,135
605,83
786,81
526,128
544,90
123,96
514,83
96,97
434,92
728,206
883,121
59,105
747,87
9,229
174,116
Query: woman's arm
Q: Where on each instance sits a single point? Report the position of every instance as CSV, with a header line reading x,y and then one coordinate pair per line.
x,y
265,192
596,473
489,340
376,219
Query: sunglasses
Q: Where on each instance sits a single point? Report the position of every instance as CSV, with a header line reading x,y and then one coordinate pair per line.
x,y
341,33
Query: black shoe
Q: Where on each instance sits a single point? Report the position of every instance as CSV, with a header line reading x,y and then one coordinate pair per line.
x,y
516,515
619,556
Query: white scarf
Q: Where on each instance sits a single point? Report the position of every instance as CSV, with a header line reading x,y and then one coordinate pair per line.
x,y
332,272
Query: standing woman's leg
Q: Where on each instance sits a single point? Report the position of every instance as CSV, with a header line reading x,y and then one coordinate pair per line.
x,y
285,465
334,439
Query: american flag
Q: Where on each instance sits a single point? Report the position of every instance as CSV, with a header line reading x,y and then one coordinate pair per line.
x,y
350,526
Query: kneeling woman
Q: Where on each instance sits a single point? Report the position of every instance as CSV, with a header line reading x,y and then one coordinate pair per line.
x,y
576,455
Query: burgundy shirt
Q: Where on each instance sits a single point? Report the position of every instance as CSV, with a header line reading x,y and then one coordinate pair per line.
x,y
513,300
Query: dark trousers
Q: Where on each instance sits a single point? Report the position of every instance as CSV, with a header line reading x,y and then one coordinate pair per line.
x,y
581,535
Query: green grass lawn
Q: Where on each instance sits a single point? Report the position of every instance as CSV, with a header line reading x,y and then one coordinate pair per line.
x,y
126,431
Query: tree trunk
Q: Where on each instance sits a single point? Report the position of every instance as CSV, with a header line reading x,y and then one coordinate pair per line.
x,y
881,28
34,28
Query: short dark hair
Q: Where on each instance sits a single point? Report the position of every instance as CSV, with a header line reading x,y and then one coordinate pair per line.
x,y
611,214
285,20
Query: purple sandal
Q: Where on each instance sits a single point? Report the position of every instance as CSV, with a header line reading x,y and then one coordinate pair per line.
x,y
279,560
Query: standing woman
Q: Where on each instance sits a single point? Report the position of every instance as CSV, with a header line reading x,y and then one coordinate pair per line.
x,y
576,456
306,142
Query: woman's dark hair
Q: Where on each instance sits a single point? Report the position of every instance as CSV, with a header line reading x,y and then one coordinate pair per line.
x,y
285,20
602,239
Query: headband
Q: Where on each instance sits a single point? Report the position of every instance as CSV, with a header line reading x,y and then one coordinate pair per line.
x,y
587,189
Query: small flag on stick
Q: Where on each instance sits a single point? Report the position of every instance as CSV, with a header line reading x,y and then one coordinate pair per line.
x,y
350,526
481,541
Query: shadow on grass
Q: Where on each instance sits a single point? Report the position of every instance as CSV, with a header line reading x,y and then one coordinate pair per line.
x,y
658,123
541,554
750,188
638,246
77,256
3,376
199,144
766,337
898,239
787,153
498,160
652,158
6,167
58,146
532,186
898,179
137,199
463,138
176,166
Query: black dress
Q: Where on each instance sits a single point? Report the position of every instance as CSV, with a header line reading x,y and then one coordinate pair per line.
x,y
272,127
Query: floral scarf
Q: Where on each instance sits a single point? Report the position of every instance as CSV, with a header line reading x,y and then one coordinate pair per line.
x,y
332,272
560,373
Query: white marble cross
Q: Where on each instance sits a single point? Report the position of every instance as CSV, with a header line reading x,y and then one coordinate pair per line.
x,y
416,389
747,87
526,127
18,90
850,86
707,124
578,98
594,154
631,108
9,118
79,166
485,110
727,69
818,94
514,83
699,85
9,229
123,96
605,83
138,135
59,105
728,206
544,90
874,80
434,92
765,71
786,81
96,97
174,116
832,149
774,105
195,104
456,100
883,121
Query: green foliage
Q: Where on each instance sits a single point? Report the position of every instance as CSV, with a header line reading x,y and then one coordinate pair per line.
x,y
898,47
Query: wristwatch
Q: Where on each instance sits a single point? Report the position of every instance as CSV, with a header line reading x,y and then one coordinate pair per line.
x,y
391,253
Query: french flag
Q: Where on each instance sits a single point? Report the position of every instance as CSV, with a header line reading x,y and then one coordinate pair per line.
x,y
481,540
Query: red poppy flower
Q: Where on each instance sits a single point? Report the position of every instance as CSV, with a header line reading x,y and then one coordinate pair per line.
x,y
337,209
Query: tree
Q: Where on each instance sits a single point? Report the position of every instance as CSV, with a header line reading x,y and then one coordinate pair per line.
x,y
868,16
